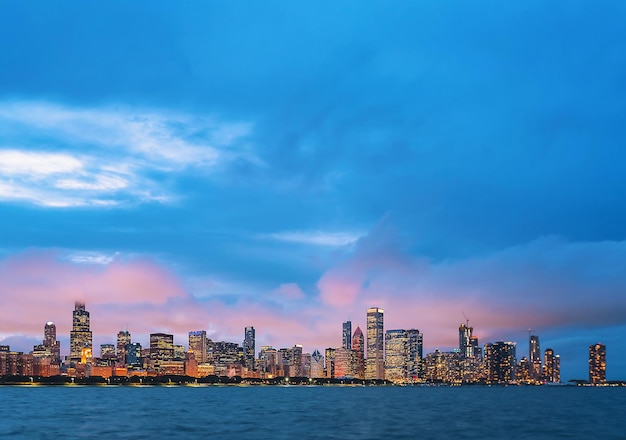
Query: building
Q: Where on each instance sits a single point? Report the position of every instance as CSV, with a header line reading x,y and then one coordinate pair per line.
x,y
123,340
107,352
50,341
597,364
133,355
396,349
345,364
403,355
465,341
500,362
268,362
346,335
198,346
317,365
551,366
375,363
415,340
330,363
80,336
161,347
534,357
358,345
249,348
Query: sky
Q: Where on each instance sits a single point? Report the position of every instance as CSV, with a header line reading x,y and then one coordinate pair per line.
x,y
287,165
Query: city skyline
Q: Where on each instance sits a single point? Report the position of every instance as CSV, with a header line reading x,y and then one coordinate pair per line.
x,y
288,165
395,355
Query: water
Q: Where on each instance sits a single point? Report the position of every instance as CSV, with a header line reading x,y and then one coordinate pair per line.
x,y
322,412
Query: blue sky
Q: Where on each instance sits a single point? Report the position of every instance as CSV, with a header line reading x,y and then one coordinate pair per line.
x,y
212,165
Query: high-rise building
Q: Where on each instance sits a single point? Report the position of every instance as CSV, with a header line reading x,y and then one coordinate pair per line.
x,y
133,354
500,362
161,347
317,365
51,343
465,341
248,347
597,364
375,363
268,358
534,356
415,339
551,367
330,363
346,335
345,365
396,349
80,336
358,345
123,340
198,346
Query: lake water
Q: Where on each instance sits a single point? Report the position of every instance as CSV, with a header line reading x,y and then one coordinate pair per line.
x,y
318,412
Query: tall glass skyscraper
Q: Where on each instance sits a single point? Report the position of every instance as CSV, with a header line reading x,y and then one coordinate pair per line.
x,y
534,355
346,335
248,347
80,336
375,363
597,364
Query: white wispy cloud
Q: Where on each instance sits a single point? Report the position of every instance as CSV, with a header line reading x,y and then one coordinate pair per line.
x,y
61,156
319,238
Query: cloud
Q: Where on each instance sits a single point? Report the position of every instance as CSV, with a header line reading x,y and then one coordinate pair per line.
x,y
108,156
318,238
290,291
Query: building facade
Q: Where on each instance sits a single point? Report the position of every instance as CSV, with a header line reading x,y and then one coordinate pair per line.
x,y
597,364
80,336
375,362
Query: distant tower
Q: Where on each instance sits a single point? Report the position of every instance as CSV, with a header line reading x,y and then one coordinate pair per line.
x,y
597,364
534,355
358,345
198,345
415,351
346,336
375,363
123,340
465,341
551,366
80,336
248,347
51,343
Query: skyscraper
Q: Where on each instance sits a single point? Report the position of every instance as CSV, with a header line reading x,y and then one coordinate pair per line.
x,y
80,336
248,347
534,356
597,364
465,341
375,363
396,348
317,365
123,340
161,347
551,366
198,346
358,345
346,335
500,361
51,343
415,339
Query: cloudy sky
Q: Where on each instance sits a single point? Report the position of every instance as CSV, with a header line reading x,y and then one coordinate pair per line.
x,y
286,165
